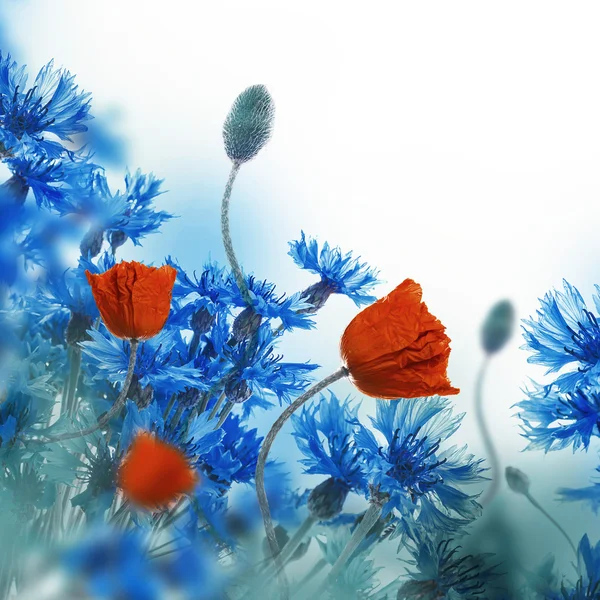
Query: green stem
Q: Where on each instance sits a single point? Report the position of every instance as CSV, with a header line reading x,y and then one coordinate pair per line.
x,y
169,405
216,407
552,520
231,258
261,492
225,413
70,405
288,550
360,533
490,450
114,409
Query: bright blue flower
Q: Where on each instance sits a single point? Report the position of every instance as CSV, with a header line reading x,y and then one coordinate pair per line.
x,y
324,433
340,273
161,361
53,105
234,459
420,478
441,571
291,310
565,333
553,420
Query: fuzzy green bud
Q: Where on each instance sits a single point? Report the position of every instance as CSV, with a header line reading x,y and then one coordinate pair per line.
x,y
517,481
498,326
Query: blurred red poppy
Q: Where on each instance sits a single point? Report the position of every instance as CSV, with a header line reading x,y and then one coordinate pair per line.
x,y
154,474
134,300
395,348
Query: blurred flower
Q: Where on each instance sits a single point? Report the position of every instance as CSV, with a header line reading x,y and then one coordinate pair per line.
x,y
517,480
565,333
589,495
441,572
249,124
154,474
134,300
396,349
340,273
553,420
420,478
497,327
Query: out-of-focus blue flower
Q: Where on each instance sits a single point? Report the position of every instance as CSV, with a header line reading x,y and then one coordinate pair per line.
x,y
565,333
114,564
420,478
340,273
53,105
553,420
589,495
442,572
324,433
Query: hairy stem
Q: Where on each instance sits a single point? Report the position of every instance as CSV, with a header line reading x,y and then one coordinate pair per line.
x,y
490,450
360,533
114,409
552,520
261,492
231,257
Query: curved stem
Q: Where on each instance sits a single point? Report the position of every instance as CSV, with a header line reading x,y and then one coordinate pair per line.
x,y
231,258
114,409
360,533
288,550
263,502
552,520
490,449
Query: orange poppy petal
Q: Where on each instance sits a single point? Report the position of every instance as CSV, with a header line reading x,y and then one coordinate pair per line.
x,y
154,473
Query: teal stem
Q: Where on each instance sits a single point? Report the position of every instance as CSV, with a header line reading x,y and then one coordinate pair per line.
x,y
114,409
318,567
552,520
70,403
225,413
261,492
226,234
490,449
360,533
216,407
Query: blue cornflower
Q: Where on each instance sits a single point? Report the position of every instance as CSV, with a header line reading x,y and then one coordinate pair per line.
x,y
325,436
340,273
553,420
292,310
161,361
234,458
52,106
420,478
442,572
565,334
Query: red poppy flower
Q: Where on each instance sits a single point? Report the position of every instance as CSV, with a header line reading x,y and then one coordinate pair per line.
x,y
133,299
154,473
396,348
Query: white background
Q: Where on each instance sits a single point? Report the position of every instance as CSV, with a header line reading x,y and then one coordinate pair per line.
x,y
456,143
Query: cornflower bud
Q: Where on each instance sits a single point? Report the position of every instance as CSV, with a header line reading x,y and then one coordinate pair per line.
x,y
91,244
77,328
327,500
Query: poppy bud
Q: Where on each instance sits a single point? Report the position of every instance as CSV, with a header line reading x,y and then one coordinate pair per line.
x,y
517,481
134,300
317,295
77,328
246,324
14,189
249,124
154,474
116,238
395,348
202,321
91,244
326,501
497,327
237,391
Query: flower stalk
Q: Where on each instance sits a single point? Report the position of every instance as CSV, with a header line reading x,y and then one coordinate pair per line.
x,y
261,492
